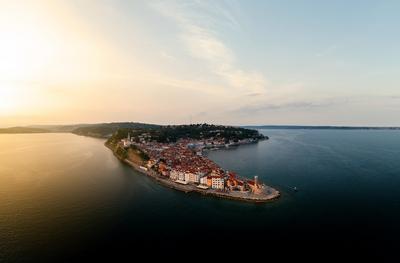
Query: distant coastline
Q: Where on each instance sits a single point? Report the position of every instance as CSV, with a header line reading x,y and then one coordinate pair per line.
x,y
20,130
98,130
306,127
105,130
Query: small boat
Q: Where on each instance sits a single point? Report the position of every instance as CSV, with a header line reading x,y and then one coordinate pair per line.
x,y
293,188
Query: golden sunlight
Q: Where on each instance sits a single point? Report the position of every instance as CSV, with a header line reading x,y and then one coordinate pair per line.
x,y
46,50
26,47
8,100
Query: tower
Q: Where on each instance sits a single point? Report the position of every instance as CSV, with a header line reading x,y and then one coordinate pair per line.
x,y
129,136
256,180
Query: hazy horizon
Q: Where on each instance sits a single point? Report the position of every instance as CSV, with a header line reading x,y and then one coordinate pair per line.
x,y
179,62
238,125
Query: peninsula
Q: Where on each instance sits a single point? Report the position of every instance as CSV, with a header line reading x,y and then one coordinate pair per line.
x,y
175,157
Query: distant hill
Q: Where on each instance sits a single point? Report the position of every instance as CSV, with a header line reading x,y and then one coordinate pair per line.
x,y
105,130
172,133
302,127
23,130
101,130
60,128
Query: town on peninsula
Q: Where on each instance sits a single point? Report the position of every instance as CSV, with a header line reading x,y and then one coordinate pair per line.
x,y
175,156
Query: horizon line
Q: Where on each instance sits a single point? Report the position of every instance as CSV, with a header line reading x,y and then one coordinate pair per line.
x,y
241,125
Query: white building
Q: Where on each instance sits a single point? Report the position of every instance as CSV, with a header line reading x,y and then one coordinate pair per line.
x,y
126,143
150,163
174,175
217,182
181,176
192,178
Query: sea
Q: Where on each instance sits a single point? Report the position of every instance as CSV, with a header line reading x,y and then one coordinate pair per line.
x,y
64,198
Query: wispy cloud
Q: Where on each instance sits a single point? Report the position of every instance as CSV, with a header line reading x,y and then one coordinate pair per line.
x,y
261,108
305,105
202,41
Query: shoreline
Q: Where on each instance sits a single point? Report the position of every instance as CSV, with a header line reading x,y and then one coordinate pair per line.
x,y
269,194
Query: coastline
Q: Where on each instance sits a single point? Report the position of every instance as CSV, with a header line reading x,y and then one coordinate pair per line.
x,y
269,193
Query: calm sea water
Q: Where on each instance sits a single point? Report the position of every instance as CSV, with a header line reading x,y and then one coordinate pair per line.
x,y
65,196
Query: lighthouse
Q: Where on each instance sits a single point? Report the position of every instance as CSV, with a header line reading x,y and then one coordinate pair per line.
x,y
256,180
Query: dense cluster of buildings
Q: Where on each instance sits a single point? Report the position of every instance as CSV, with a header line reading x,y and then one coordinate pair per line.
x,y
183,162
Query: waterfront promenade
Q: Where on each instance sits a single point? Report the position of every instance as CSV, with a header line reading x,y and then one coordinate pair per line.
x,y
266,195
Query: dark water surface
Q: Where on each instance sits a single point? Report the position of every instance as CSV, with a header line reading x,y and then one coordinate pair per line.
x,y
65,195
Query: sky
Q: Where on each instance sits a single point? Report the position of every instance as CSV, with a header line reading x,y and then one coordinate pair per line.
x,y
223,62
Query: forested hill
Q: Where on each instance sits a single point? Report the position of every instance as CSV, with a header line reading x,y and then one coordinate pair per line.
x,y
172,133
161,133
105,130
101,130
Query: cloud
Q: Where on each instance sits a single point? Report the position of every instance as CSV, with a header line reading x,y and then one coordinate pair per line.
x,y
304,105
201,40
255,109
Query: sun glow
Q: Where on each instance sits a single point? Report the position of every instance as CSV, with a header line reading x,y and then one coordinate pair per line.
x,y
47,51
26,52
8,100
26,47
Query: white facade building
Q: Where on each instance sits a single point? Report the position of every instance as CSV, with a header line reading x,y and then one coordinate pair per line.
x,y
181,176
217,182
192,178
126,143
